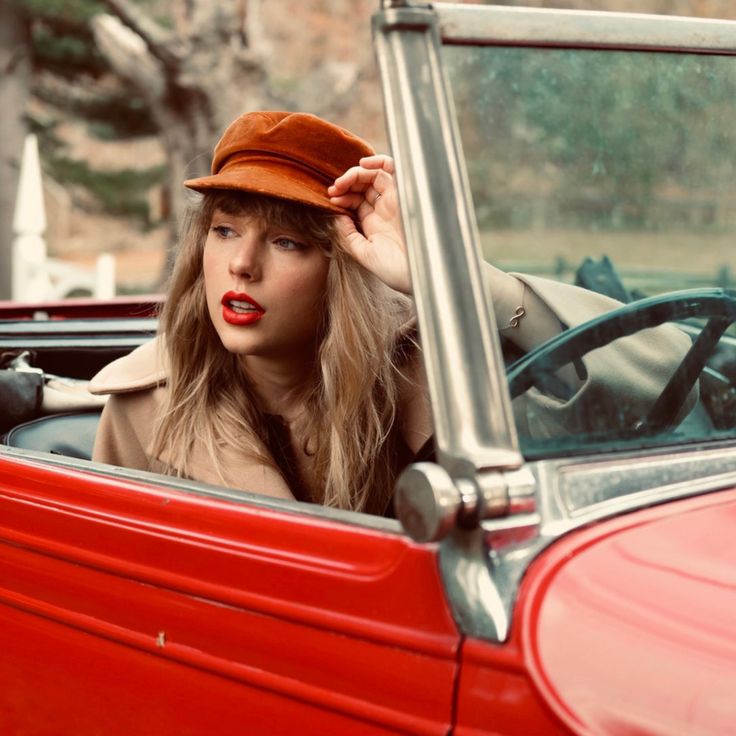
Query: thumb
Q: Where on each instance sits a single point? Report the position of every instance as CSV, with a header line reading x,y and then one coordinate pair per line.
x,y
354,242
349,234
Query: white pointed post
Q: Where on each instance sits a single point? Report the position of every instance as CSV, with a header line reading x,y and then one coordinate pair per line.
x,y
105,277
30,281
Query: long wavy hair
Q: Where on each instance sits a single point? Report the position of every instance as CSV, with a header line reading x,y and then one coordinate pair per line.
x,y
351,398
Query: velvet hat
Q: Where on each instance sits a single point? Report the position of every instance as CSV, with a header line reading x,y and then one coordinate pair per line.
x,y
289,155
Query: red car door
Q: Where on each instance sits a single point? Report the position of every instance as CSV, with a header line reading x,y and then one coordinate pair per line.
x,y
129,607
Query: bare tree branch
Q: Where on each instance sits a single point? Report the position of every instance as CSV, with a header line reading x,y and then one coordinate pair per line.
x,y
129,55
163,45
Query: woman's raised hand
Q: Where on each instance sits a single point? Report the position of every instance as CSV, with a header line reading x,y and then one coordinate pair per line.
x,y
369,190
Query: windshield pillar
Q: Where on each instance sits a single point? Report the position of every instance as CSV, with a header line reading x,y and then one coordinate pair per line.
x,y
473,422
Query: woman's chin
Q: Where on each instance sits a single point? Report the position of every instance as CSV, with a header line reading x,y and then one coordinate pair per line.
x,y
239,344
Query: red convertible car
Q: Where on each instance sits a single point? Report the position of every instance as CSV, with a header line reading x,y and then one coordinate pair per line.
x,y
536,581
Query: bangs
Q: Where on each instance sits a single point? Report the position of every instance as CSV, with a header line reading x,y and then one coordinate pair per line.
x,y
316,226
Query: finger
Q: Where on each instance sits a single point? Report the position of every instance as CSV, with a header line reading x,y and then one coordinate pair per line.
x,y
378,161
359,178
356,245
371,196
346,227
347,180
357,202
354,179
353,241
350,200
366,208
383,182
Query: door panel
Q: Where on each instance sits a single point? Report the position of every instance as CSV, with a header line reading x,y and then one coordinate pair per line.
x,y
141,606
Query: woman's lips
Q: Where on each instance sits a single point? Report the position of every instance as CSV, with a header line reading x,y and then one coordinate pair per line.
x,y
240,309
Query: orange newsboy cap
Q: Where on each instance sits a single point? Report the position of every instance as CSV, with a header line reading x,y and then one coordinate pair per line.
x,y
289,155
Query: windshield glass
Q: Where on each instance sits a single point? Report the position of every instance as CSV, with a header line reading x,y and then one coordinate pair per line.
x,y
615,171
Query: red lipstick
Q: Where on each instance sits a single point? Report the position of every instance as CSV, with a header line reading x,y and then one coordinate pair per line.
x,y
240,309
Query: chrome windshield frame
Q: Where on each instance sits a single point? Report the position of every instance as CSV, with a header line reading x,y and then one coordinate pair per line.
x,y
474,425
496,25
462,354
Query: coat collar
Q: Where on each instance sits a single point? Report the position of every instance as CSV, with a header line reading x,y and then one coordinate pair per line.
x,y
144,368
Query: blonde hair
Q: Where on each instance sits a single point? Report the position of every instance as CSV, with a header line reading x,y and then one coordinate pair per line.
x,y
352,396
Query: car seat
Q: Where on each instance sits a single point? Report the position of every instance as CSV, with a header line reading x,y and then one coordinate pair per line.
x,y
71,434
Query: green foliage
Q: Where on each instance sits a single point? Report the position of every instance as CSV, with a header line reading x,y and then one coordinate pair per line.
x,y
598,139
118,116
119,192
63,44
66,50
61,36
109,116
66,59
69,12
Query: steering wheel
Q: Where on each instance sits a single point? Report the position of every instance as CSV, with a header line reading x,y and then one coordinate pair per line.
x,y
718,306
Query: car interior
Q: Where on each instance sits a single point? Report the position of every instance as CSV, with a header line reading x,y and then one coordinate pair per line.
x,y
38,358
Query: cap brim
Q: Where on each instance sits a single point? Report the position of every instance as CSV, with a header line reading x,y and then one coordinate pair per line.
x,y
271,183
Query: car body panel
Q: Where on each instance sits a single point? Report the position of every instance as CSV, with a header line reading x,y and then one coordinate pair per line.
x,y
622,627
497,696
301,619
648,598
122,306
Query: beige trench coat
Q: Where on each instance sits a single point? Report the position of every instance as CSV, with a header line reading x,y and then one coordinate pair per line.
x,y
630,376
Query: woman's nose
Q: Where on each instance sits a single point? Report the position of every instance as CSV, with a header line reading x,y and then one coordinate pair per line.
x,y
246,258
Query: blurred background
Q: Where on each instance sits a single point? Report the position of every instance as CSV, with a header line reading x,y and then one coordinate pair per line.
x,y
128,97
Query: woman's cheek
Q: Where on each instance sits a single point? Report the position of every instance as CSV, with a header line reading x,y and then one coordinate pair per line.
x,y
209,272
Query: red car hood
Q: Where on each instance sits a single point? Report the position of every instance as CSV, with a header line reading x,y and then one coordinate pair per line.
x,y
630,626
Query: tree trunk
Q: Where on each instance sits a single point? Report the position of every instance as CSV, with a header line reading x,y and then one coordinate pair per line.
x,y
195,81
15,69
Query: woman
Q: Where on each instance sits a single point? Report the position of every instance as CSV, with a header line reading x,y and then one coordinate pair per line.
x,y
286,363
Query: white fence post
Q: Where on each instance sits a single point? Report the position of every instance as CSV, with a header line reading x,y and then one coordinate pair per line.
x,y
105,277
30,278
36,277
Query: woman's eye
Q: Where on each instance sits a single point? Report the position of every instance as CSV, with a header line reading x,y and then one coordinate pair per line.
x,y
223,231
289,244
